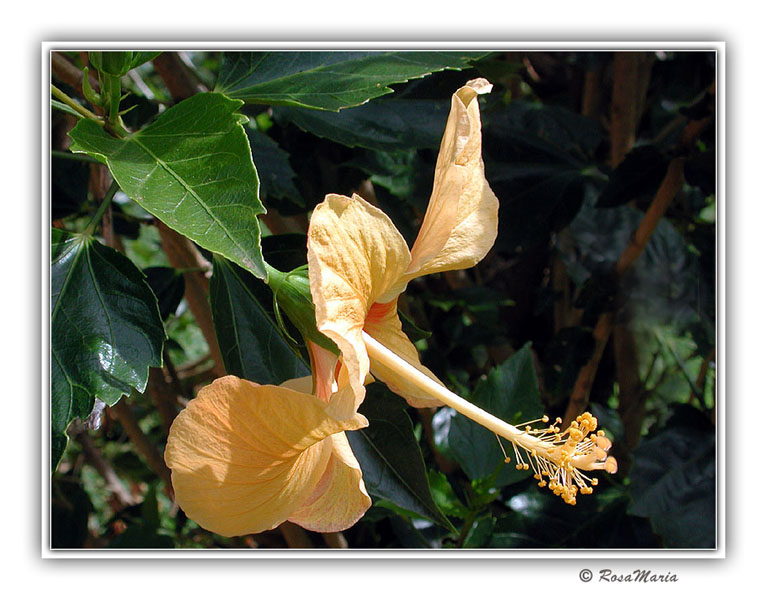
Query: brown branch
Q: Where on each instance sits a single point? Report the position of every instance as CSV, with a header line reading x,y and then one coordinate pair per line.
x,y
67,73
565,314
122,496
631,391
182,254
142,443
172,373
163,396
631,76
175,74
295,536
579,398
592,93
335,540
669,187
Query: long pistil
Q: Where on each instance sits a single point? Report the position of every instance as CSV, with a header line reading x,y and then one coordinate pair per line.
x,y
557,456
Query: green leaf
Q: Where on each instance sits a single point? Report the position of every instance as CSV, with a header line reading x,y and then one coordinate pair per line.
x,y
511,393
480,532
444,496
65,108
385,125
105,330
168,286
327,80
673,481
251,343
192,169
538,158
391,460
139,58
276,174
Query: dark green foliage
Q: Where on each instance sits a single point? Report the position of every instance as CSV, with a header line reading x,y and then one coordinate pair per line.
x,y
539,162
386,125
251,343
673,481
391,461
105,329
167,284
510,392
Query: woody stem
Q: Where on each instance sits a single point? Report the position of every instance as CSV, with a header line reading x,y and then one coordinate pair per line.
x,y
389,359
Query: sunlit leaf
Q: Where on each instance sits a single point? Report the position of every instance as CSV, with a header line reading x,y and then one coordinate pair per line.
x,y
192,169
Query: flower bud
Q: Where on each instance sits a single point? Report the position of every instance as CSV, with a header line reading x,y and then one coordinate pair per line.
x,y
112,63
293,296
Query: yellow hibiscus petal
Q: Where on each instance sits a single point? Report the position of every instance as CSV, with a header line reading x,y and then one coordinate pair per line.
x,y
339,499
355,255
461,221
300,384
243,457
384,325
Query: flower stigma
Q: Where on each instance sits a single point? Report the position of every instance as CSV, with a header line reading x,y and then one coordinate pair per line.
x,y
558,458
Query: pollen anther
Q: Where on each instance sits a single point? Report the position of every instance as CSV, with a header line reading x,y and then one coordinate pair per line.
x,y
558,459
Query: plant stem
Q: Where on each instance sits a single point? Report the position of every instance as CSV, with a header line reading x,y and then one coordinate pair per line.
x,y
104,205
74,105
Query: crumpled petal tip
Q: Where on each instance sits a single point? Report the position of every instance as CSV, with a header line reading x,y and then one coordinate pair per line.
x,y
480,85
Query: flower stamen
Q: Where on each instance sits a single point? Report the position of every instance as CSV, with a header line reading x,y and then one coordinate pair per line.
x,y
506,458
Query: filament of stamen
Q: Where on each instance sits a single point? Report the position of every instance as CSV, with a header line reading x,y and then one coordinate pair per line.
x,y
506,458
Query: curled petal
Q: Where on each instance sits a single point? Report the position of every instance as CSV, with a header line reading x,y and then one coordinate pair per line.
x,y
461,221
384,325
324,368
244,457
355,255
339,500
